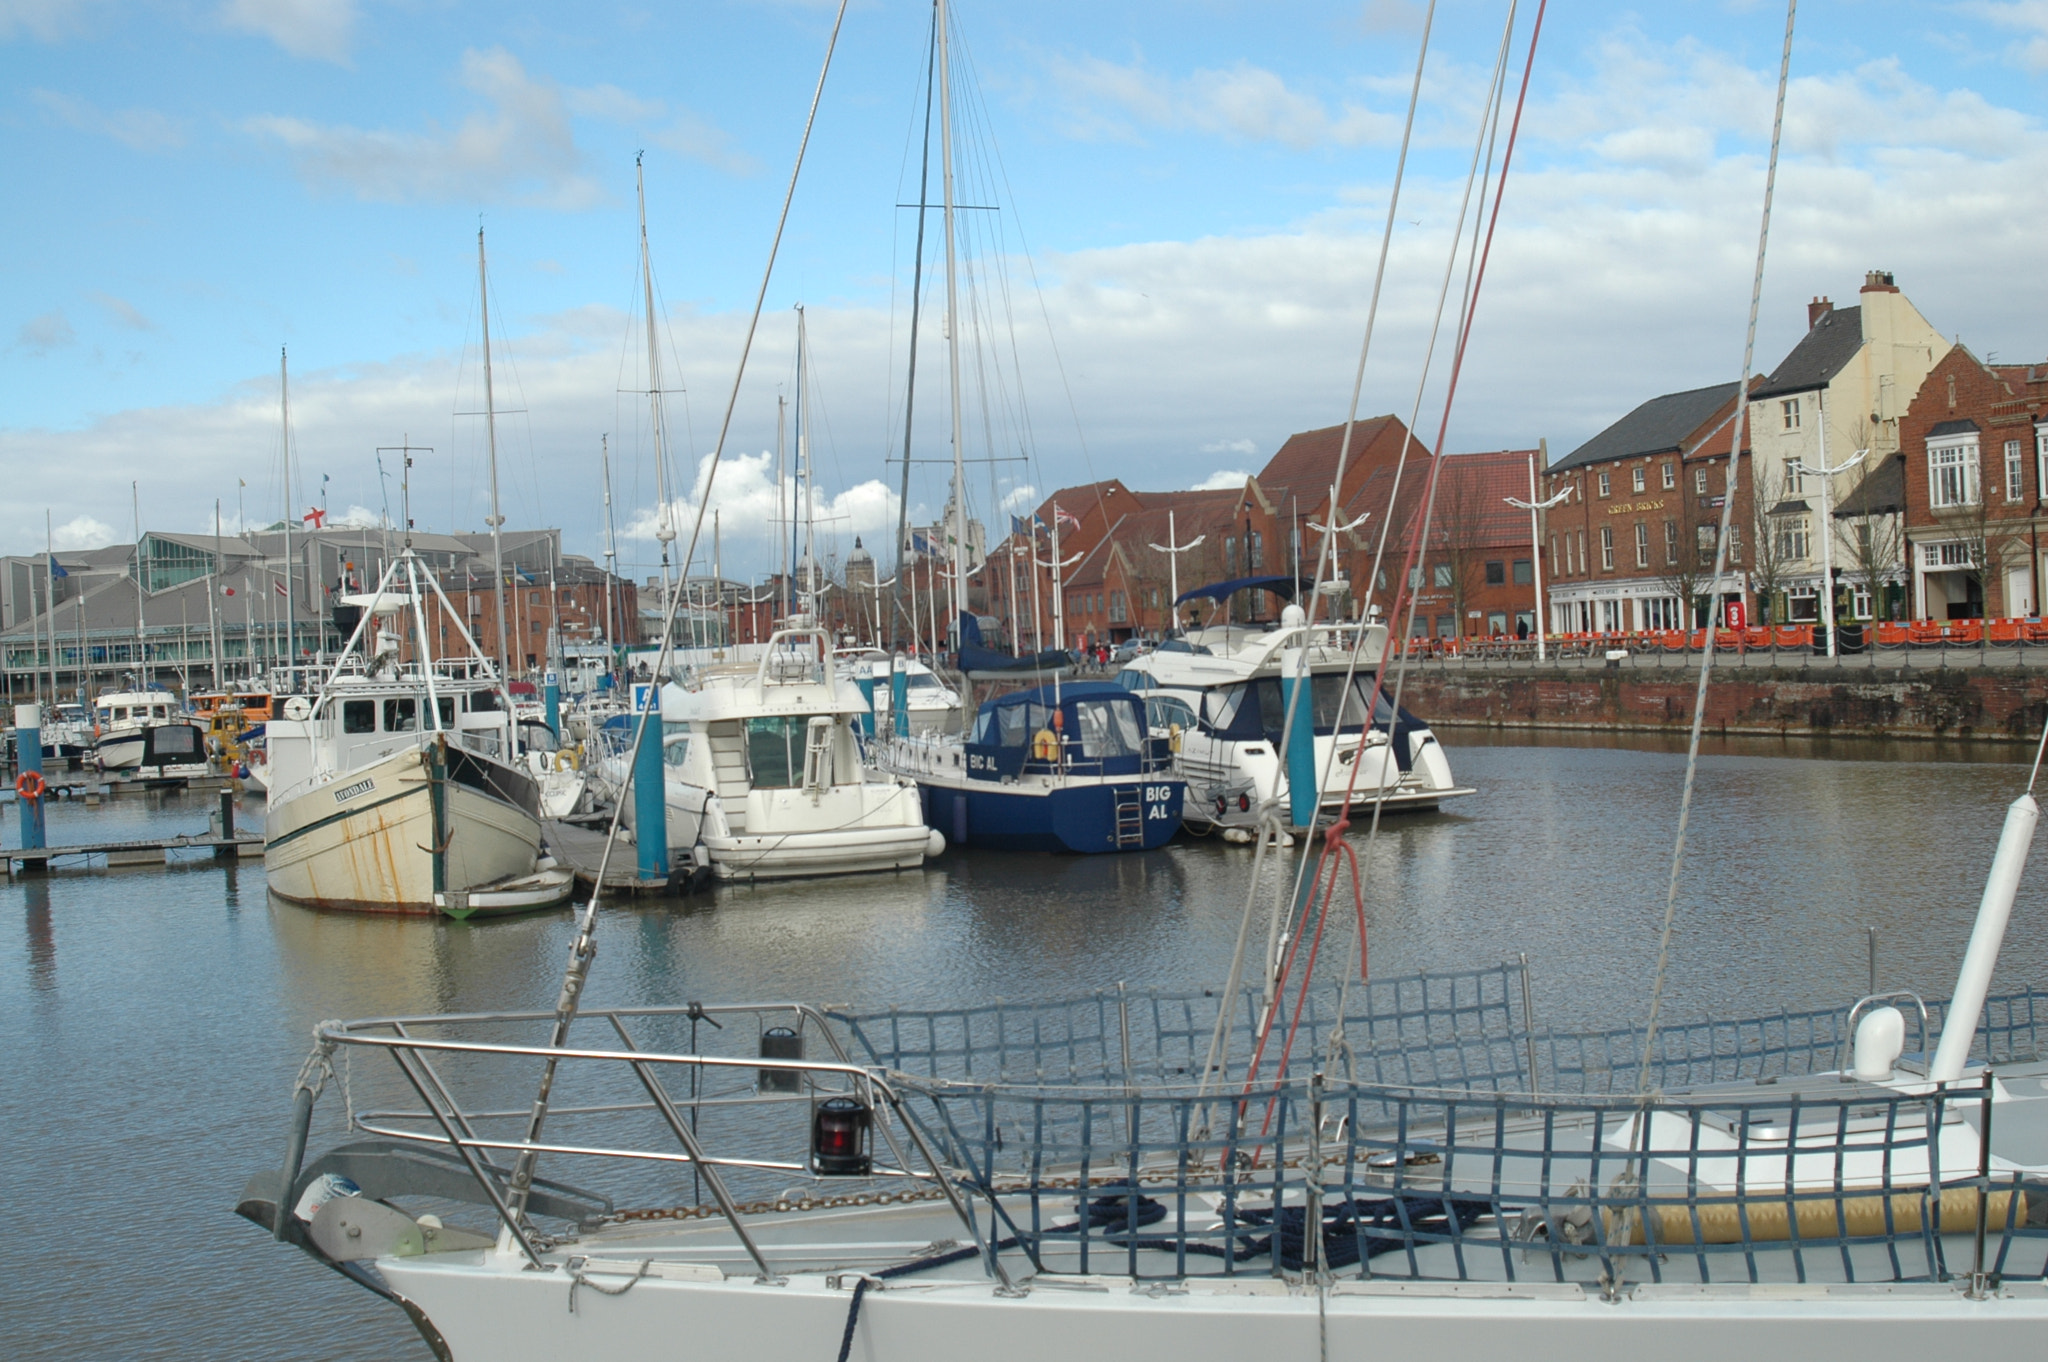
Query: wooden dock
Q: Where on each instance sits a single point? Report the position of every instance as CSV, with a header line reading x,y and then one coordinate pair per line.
x,y
145,851
581,849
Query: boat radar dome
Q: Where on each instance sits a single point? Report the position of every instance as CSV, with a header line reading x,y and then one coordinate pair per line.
x,y
1293,616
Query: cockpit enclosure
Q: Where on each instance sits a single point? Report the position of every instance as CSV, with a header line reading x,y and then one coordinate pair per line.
x,y
1435,1134
1089,727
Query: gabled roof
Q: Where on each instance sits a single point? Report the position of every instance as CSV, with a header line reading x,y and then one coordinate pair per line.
x,y
1882,491
1658,426
1306,464
1819,356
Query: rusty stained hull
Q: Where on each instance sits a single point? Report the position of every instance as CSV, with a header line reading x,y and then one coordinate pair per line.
x,y
364,842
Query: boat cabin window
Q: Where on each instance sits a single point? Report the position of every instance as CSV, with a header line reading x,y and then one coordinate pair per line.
x,y
160,711
924,681
399,716
446,704
675,743
359,716
775,750
120,712
537,737
1164,711
1108,728
1012,725
1220,706
483,701
1130,678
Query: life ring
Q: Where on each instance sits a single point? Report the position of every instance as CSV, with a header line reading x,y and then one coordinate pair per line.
x,y
565,759
1045,746
30,785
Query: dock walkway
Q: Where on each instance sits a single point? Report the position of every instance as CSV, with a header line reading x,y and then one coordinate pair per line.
x,y
142,851
581,849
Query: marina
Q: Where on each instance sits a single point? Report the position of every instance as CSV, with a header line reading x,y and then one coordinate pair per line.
x,y
1387,887
1505,873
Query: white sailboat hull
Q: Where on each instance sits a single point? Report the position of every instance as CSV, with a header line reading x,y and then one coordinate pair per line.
x,y
365,840
500,1312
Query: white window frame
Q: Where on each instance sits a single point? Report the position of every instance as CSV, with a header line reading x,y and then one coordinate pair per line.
x,y
1952,473
1642,544
1699,481
1606,487
1788,412
1795,478
1671,543
2015,472
1670,475
1606,547
1637,478
1795,537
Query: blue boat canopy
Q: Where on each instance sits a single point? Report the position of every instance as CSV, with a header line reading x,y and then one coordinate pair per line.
x,y
1092,727
1282,586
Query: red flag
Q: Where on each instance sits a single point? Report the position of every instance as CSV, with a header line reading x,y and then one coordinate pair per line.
x,y
279,587
315,517
227,591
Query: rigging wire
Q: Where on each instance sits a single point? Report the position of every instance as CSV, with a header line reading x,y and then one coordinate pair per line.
x,y
1699,698
583,949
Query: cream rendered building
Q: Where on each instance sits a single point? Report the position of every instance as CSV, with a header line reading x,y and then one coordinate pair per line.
x,y
1842,389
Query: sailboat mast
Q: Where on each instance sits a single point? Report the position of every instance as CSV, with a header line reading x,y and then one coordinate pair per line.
x,y
284,406
806,489
916,303
664,531
958,527
141,648
50,600
491,447
611,549
213,599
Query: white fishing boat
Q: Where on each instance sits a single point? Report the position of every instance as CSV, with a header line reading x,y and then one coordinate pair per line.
x,y
764,772
1222,693
398,789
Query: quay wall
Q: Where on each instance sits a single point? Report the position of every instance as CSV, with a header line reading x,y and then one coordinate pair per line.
x,y
1905,703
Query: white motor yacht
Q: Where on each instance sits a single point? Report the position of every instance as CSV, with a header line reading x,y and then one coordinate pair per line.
x,y
396,789
1220,691
144,733
765,777
931,705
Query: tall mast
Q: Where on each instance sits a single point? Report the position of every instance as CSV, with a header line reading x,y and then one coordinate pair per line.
x,y
916,300
663,529
783,523
491,445
50,600
804,489
958,527
213,599
291,637
141,648
611,552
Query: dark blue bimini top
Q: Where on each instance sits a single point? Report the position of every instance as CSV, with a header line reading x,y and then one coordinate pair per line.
x,y
1282,586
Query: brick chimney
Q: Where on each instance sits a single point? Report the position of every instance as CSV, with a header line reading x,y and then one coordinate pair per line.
x,y
1815,310
1878,281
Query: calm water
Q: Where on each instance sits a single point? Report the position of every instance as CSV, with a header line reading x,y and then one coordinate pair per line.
x,y
154,1019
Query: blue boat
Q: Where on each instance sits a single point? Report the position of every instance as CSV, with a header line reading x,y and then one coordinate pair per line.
x,y
1069,767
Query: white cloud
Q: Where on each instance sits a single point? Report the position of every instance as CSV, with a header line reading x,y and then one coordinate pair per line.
x,y
520,149
1222,480
139,129
123,313
745,497
2026,17
40,335
49,20
305,28
679,130
1245,103
83,532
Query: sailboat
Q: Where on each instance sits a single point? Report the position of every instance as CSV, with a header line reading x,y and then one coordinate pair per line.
x,y
1065,768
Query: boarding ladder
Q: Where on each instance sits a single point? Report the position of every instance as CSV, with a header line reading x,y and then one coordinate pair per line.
x,y
1130,816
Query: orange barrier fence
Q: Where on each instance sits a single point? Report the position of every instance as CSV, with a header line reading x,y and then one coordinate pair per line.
x,y
1757,638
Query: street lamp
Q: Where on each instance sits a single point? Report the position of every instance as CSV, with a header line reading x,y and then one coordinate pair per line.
x,y
1336,567
1532,506
1173,549
1827,525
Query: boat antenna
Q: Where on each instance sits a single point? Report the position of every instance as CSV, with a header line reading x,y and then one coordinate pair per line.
x,y
583,948
1699,697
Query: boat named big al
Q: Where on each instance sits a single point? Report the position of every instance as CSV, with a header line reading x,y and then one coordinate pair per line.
x,y
396,789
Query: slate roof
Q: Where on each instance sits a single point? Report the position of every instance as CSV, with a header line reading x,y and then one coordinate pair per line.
x,y
1658,426
1819,356
1962,427
1882,491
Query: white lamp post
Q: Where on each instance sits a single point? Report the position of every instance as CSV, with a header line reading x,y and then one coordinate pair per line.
x,y
1173,549
1532,506
1827,526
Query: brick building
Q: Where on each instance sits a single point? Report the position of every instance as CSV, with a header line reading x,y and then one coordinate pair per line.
x,y
1632,545
1476,574
570,596
1974,463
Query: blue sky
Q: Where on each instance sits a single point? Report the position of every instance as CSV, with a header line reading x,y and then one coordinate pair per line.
x,y
193,184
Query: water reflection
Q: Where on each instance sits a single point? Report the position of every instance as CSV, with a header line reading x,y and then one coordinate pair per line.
x,y
40,941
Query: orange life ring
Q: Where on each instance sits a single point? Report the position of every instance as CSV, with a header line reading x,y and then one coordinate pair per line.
x,y
30,785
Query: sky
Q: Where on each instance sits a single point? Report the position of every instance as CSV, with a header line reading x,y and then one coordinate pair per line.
x,y
1172,215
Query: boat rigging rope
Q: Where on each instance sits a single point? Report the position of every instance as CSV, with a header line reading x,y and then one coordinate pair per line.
x,y
1326,551
1337,852
1699,698
584,948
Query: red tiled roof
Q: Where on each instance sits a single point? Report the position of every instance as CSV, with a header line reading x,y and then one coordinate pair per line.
x,y
1303,468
